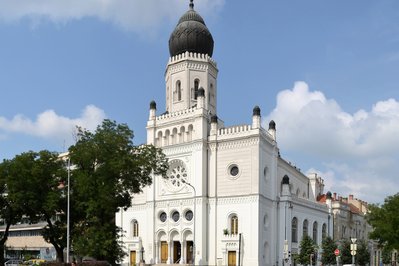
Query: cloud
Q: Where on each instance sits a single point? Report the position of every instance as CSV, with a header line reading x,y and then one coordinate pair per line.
x,y
357,151
50,125
134,15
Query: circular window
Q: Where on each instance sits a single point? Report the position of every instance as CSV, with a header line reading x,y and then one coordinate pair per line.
x,y
162,217
175,216
234,170
189,215
177,175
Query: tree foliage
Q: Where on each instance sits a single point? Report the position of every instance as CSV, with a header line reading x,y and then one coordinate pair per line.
x,y
345,249
108,168
385,222
362,253
329,246
33,184
307,249
10,212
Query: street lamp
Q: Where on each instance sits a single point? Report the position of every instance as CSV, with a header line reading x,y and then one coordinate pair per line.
x,y
68,209
195,204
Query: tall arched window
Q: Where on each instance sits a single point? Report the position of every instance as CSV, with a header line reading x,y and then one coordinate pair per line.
x,y
178,90
294,230
305,228
234,225
324,231
135,228
196,87
315,232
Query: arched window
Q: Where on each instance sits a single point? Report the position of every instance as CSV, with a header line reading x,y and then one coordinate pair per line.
x,y
294,230
178,90
135,228
315,232
305,228
196,87
324,231
234,225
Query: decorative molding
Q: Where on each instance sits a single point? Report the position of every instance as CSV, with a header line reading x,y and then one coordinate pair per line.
x,y
238,143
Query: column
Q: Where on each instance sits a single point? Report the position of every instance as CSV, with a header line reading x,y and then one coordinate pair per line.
x,y
157,252
182,252
169,261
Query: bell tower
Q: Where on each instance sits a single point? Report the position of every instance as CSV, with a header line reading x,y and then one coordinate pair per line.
x,y
190,65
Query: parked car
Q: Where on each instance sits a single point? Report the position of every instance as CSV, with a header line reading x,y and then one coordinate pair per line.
x,y
13,262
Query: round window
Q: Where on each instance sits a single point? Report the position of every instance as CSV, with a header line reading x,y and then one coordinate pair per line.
x,y
162,217
234,170
175,216
189,215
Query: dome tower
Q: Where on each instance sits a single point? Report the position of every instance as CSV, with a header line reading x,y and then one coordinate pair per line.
x,y
190,66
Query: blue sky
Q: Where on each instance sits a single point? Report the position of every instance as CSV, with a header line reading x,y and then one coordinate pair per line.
x,y
326,71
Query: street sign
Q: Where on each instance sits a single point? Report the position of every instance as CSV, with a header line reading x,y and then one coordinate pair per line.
x,y
353,253
336,252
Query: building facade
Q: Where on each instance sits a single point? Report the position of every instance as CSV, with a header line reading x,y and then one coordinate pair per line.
x,y
229,199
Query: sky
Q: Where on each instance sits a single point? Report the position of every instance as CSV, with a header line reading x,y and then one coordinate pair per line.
x,y
327,72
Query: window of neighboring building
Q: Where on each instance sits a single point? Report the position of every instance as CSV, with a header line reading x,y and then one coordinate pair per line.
x,y
324,231
234,225
135,228
305,228
315,232
294,230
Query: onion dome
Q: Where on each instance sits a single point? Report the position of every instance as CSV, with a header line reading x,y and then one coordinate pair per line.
x,y
286,180
256,111
272,125
191,35
153,105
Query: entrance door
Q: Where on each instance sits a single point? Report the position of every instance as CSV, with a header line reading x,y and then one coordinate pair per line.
x,y
232,258
132,258
176,251
164,251
190,250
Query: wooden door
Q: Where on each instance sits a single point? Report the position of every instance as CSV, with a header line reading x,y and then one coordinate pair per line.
x,y
132,258
176,251
231,258
164,251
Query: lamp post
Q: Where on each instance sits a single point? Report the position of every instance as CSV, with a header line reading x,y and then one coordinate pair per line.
x,y
142,254
195,204
68,210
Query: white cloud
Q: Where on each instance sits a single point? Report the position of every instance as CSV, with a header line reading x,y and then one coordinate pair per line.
x,y
142,16
50,125
358,152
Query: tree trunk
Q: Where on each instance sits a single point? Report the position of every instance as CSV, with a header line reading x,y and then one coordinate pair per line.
x,y
3,241
58,247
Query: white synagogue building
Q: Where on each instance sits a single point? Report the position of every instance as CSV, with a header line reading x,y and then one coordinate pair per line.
x,y
230,198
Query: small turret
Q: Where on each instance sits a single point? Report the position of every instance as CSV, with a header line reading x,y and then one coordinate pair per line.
x,y
272,129
153,109
285,186
214,125
256,117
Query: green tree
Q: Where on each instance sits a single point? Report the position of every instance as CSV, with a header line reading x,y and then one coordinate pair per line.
x,y
345,248
108,170
385,222
10,212
362,253
34,183
387,255
307,249
329,246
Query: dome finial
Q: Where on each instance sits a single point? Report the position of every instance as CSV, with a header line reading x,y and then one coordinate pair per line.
x,y
191,4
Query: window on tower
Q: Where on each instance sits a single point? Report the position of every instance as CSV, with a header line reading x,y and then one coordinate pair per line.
x,y
196,87
178,91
